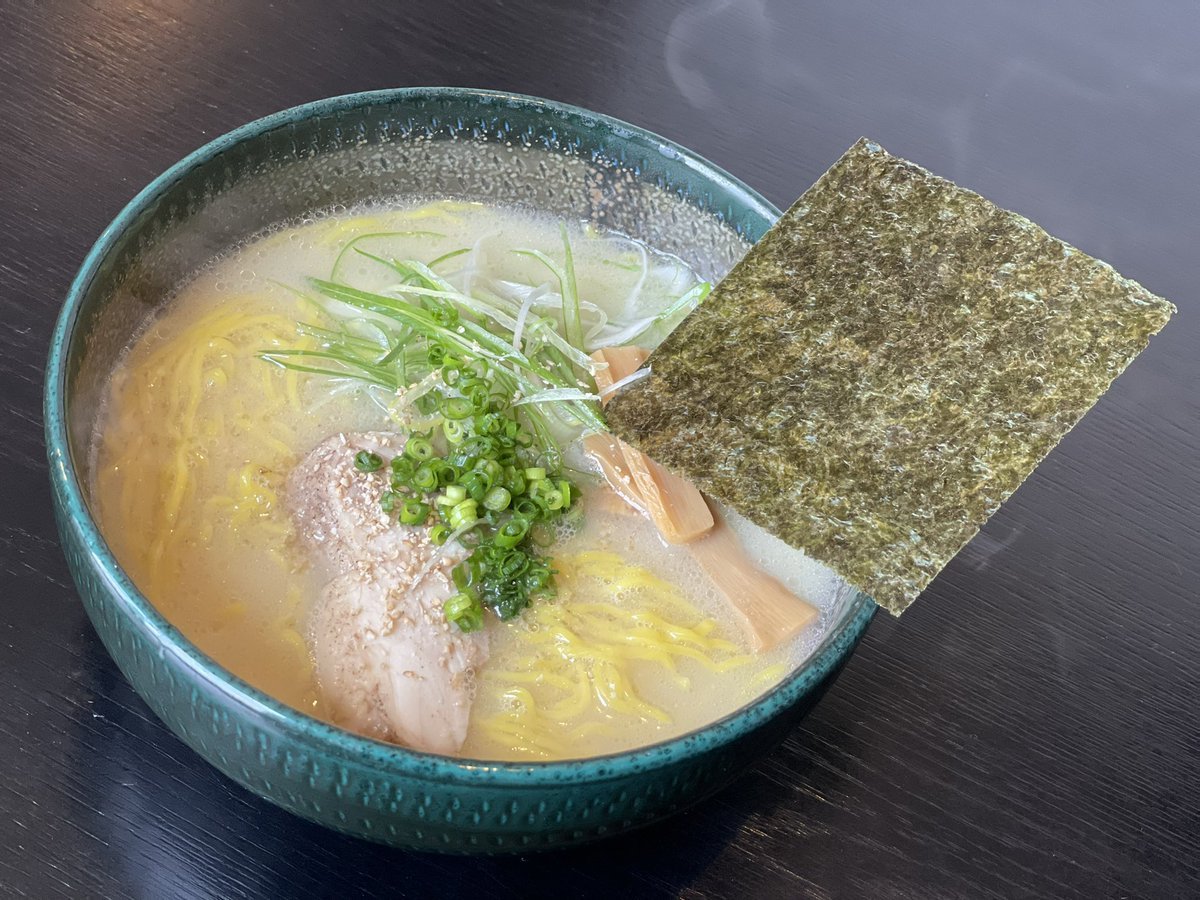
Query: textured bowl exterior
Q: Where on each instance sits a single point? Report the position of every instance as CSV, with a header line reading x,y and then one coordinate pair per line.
x,y
353,784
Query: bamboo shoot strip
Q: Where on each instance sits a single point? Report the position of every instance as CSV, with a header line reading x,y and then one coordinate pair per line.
x,y
884,368
671,502
770,614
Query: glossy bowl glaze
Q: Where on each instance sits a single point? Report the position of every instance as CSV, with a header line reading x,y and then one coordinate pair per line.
x,y
421,142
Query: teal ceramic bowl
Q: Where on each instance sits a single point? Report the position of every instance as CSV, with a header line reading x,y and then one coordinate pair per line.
x,y
473,145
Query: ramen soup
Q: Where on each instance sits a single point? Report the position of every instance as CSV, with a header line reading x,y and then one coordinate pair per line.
x,y
361,462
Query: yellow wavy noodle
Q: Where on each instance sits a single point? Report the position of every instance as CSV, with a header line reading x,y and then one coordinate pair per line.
x,y
579,662
172,410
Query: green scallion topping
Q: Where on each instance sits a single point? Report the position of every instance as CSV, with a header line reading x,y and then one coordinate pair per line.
x,y
457,407
366,461
414,512
488,469
512,532
418,448
465,611
497,499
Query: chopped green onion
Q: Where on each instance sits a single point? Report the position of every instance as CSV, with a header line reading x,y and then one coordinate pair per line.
x,y
438,534
444,314
403,467
463,513
366,461
460,576
489,467
465,611
414,512
514,564
447,474
514,481
418,448
479,446
477,484
528,507
490,424
497,499
456,407
480,398
425,478
512,532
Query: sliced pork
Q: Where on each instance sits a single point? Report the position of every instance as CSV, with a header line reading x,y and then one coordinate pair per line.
x,y
388,663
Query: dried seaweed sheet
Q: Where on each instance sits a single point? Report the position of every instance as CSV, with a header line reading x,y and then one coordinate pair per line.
x,y
884,368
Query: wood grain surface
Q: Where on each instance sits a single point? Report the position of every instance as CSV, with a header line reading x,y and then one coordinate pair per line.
x,y
1030,728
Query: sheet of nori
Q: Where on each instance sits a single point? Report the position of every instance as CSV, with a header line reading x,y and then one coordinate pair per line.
x,y
884,368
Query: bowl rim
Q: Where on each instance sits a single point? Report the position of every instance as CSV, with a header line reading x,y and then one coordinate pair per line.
x,y
395,759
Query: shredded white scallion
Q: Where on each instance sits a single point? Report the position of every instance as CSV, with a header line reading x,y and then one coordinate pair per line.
x,y
622,335
526,306
471,267
557,395
636,292
439,552
408,396
637,375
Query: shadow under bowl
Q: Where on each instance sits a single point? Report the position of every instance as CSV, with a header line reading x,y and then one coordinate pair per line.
x,y
484,146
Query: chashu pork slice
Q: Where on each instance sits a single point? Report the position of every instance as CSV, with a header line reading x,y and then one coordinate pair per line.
x,y
388,663
335,507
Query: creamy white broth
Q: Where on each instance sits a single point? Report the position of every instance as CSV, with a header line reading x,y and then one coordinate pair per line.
x,y
198,435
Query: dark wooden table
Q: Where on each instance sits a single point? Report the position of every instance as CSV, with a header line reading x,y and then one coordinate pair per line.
x,y
1030,728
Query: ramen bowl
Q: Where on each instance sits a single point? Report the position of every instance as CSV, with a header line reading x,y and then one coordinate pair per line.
x,y
482,146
